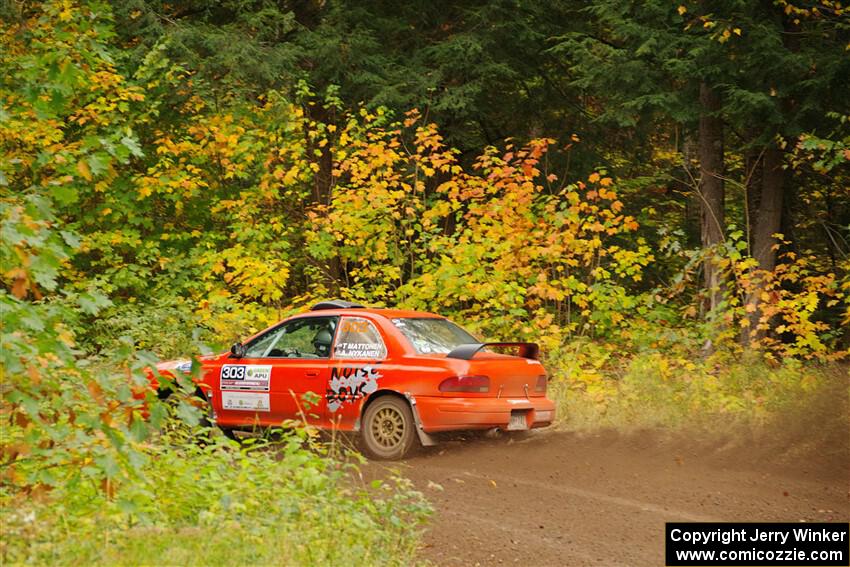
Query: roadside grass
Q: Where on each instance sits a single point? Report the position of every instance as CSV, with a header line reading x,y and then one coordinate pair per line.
x,y
264,503
718,394
329,535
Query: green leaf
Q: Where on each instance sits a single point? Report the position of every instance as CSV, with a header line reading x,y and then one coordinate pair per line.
x,y
138,430
70,238
98,163
64,194
88,305
133,146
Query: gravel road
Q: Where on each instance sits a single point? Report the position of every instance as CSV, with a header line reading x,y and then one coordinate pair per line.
x,y
557,498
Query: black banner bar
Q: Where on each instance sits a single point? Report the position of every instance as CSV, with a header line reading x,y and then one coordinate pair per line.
x,y
760,544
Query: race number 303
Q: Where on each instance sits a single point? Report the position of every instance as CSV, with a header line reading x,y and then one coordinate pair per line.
x,y
233,372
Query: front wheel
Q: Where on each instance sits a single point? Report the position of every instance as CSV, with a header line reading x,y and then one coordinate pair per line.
x,y
387,430
206,420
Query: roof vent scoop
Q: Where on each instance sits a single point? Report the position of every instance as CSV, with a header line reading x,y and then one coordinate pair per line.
x,y
336,304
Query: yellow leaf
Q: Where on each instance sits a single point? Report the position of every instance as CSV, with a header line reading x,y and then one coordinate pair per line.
x,y
682,10
84,170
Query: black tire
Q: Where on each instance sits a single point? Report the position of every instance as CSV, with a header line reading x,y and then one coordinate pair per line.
x,y
208,422
388,431
229,433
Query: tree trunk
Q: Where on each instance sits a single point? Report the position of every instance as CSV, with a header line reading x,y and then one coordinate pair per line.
x,y
765,244
770,209
769,220
711,188
323,184
753,163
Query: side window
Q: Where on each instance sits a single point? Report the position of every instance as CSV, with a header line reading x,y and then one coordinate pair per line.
x,y
310,337
358,338
262,344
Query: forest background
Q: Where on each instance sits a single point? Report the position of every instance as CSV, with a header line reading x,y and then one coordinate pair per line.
x,y
656,192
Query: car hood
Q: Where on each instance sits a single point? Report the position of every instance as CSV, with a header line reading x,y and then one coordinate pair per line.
x,y
170,365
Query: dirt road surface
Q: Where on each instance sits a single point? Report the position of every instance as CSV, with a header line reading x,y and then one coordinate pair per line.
x,y
556,498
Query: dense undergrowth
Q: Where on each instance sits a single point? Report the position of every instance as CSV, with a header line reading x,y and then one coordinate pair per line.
x,y
216,503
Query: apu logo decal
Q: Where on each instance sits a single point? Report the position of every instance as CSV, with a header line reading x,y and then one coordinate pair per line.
x,y
245,377
349,384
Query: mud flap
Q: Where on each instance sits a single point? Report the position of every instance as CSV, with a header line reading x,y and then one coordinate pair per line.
x,y
424,438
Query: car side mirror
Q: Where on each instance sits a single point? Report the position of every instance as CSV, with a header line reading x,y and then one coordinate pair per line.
x,y
237,350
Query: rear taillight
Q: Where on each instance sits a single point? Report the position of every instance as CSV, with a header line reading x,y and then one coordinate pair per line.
x,y
480,384
541,384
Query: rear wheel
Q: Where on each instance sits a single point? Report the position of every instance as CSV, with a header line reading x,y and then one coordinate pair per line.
x,y
387,430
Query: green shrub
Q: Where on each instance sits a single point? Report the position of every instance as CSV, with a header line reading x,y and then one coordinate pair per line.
x,y
219,504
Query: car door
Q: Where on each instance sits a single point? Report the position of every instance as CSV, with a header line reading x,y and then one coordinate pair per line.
x,y
268,385
358,352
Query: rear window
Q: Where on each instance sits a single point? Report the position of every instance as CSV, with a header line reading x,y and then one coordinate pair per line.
x,y
429,336
358,338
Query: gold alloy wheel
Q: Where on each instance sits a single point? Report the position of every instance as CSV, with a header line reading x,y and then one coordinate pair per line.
x,y
388,432
388,427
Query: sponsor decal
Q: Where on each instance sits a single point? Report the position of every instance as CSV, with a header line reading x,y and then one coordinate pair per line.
x,y
359,350
245,401
245,377
349,384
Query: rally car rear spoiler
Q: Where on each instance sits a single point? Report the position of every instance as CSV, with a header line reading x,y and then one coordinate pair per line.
x,y
466,352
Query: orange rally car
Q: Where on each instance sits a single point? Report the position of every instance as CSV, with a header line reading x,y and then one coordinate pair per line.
x,y
396,377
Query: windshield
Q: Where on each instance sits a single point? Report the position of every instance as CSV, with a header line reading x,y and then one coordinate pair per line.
x,y
429,336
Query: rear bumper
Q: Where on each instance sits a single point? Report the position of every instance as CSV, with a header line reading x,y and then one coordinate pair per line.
x,y
449,414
